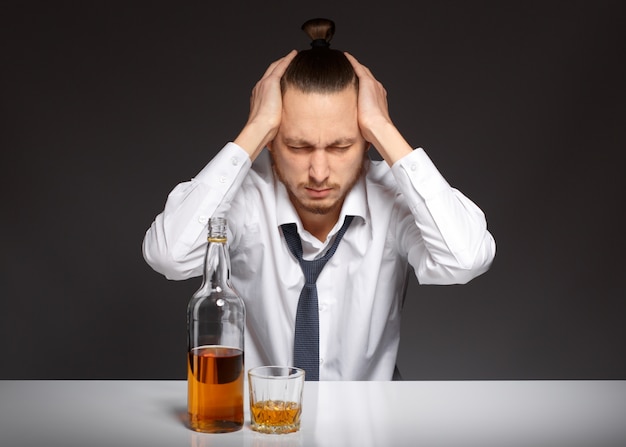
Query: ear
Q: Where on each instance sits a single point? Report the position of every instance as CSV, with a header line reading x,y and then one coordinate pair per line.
x,y
270,145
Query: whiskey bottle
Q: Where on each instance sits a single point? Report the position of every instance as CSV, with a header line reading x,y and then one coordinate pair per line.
x,y
215,323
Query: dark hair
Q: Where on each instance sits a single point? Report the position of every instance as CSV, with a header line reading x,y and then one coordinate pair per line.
x,y
319,69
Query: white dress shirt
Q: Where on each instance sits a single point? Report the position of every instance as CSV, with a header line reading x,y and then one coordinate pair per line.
x,y
405,215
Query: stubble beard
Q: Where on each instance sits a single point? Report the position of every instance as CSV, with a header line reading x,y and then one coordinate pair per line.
x,y
312,206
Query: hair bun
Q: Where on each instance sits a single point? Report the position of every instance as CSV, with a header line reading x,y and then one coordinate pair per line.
x,y
320,31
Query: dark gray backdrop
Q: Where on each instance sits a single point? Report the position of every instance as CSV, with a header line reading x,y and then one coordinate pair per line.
x,y
107,105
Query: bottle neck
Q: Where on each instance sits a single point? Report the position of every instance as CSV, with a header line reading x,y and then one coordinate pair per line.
x,y
216,264
216,261
217,229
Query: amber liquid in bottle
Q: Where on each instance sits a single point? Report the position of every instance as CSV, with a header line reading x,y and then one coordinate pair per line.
x,y
215,381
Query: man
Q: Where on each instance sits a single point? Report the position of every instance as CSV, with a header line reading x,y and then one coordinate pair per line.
x,y
317,128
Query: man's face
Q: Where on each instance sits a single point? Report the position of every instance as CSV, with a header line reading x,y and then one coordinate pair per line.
x,y
318,151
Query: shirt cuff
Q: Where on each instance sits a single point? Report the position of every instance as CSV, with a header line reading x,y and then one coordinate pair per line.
x,y
225,167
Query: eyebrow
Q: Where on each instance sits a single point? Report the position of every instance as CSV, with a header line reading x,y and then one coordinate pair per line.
x,y
305,143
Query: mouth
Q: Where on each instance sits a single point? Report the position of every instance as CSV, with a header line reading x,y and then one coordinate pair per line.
x,y
318,193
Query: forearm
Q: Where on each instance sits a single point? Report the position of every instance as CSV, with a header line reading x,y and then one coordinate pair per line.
x,y
253,138
389,142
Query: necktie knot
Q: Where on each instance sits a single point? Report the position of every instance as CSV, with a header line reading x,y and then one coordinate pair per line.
x,y
290,231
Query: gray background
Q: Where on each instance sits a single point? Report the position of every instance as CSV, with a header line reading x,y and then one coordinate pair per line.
x,y
108,105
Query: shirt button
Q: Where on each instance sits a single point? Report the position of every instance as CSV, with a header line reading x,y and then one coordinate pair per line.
x,y
234,161
321,361
203,219
223,179
322,307
413,167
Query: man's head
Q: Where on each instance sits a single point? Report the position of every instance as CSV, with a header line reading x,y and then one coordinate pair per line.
x,y
318,152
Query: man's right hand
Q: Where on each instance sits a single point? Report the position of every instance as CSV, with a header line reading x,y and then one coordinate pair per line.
x,y
265,109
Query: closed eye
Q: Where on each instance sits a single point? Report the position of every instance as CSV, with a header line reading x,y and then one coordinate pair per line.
x,y
300,148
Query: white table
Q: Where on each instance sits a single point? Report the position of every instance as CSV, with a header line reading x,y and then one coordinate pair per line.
x,y
474,413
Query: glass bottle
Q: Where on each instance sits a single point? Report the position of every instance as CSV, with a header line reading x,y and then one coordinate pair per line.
x,y
215,322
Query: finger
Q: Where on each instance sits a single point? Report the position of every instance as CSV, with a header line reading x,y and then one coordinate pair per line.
x,y
283,63
271,67
280,65
353,60
360,69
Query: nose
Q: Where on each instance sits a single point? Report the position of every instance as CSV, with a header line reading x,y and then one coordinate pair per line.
x,y
319,168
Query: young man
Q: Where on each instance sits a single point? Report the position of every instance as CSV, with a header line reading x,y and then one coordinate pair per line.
x,y
317,112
